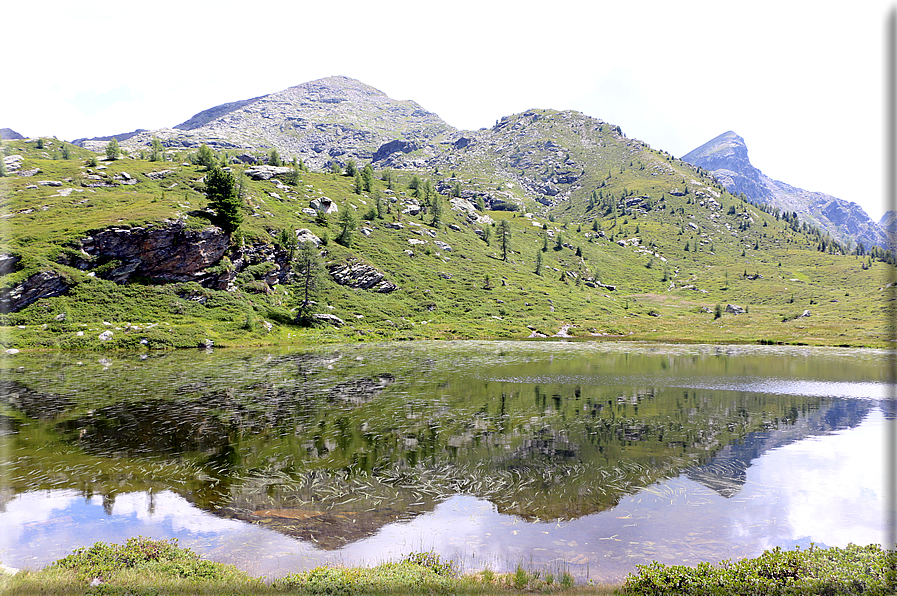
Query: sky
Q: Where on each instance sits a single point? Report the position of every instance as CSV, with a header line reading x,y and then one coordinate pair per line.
x,y
802,82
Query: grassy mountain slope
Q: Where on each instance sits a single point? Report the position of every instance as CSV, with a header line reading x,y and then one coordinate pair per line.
x,y
598,210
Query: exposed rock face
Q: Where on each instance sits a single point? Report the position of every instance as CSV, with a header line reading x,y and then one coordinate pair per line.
x,y
170,252
387,149
359,275
8,263
727,159
45,284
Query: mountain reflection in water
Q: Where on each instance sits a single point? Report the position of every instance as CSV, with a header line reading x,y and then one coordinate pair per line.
x,y
339,448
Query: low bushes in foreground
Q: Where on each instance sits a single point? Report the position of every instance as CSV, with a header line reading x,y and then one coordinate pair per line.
x,y
145,567
867,570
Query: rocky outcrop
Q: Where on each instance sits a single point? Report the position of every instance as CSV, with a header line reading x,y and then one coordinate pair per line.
x,y
169,252
726,158
387,149
44,284
266,172
8,263
359,275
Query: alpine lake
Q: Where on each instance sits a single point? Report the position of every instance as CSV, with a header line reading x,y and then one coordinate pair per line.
x,y
588,457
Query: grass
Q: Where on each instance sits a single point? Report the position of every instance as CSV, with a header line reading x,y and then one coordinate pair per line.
x,y
149,567
660,292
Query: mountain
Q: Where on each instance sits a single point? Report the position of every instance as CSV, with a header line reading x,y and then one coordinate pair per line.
x,y
99,142
549,223
888,223
726,158
319,122
206,116
9,134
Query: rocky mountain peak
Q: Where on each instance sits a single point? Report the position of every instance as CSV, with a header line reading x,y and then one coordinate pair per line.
x,y
726,158
336,89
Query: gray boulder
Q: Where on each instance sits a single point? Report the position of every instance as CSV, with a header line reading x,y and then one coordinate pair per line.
x,y
328,318
359,275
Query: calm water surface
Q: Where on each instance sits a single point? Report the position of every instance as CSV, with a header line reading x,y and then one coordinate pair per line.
x,y
592,458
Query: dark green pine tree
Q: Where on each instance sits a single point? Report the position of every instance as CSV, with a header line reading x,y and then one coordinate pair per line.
x,y
224,198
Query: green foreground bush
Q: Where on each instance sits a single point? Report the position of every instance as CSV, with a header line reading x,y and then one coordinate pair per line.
x,y
867,570
145,567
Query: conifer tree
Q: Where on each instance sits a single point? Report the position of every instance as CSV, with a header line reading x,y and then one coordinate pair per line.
x,y
308,268
504,237
224,197
347,223
367,176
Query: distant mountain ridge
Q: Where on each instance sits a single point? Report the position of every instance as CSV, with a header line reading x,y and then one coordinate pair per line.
x,y
330,119
335,119
726,158
206,116
9,134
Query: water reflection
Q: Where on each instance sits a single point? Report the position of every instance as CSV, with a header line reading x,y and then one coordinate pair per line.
x,y
633,452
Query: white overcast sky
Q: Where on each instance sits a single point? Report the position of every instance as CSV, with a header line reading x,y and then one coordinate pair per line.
x,y
802,81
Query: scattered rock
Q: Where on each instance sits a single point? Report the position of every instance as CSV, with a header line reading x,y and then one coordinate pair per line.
x,y
324,204
359,275
266,172
735,309
105,336
328,318
306,235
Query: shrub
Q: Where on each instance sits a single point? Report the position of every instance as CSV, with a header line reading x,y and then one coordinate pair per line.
x,y
160,557
851,570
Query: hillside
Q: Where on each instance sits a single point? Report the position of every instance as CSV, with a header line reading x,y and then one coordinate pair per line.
x,y
319,122
726,158
608,238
